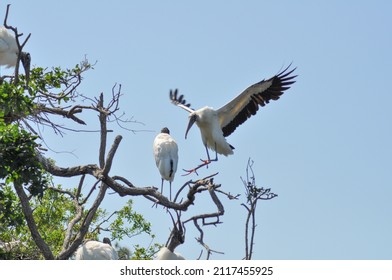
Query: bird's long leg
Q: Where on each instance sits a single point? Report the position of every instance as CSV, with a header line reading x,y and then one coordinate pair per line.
x,y
205,163
208,154
170,190
209,160
156,202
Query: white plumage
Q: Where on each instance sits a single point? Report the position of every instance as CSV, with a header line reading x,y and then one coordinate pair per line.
x,y
9,246
165,254
95,250
166,156
207,119
9,51
215,125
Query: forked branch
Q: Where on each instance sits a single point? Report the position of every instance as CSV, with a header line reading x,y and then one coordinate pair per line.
x,y
253,195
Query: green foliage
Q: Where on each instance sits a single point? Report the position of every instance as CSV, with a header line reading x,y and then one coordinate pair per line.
x,y
18,146
20,100
18,158
127,216
43,82
14,229
137,225
52,214
10,211
141,253
138,253
23,98
15,102
57,84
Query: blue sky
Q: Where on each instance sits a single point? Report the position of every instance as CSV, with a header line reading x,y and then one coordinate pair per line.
x,y
324,147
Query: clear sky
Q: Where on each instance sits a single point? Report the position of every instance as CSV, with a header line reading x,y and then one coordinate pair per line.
x,y
324,147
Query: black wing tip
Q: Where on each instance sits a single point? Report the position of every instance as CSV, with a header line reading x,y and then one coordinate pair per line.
x,y
178,99
283,75
173,94
280,83
284,71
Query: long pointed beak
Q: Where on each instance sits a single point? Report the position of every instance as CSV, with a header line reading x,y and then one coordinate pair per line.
x,y
192,120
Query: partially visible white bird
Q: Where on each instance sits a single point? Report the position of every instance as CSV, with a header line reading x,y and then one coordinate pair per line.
x,y
9,246
165,254
166,156
96,250
9,51
215,125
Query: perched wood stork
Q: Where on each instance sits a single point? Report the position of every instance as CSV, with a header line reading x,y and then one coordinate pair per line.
x,y
95,250
165,254
215,125
9,51
166,156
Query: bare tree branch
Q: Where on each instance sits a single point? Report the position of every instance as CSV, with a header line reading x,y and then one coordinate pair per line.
x,y
61,112
65,254
211,187
102,121
177,235
253,195
77,218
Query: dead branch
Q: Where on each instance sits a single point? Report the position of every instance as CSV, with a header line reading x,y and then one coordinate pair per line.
x,y
102,120
229,195
177,235
253,195
98,226
93,188
127,189
77,218
211,187
70,194
200,239
65,254
60,112
206,163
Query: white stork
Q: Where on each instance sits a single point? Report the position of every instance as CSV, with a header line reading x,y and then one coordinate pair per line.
x,y
95,250
215,125
166,156
9,51
165,254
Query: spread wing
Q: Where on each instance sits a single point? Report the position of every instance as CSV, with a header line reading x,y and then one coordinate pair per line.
x,y
242,107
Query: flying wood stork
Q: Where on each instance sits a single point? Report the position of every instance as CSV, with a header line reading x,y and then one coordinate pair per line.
x,y
215,125
9,51
95,250
166,156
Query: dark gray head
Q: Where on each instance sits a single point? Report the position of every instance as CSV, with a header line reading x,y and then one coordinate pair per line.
x,y
165,130
106,240
26,61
